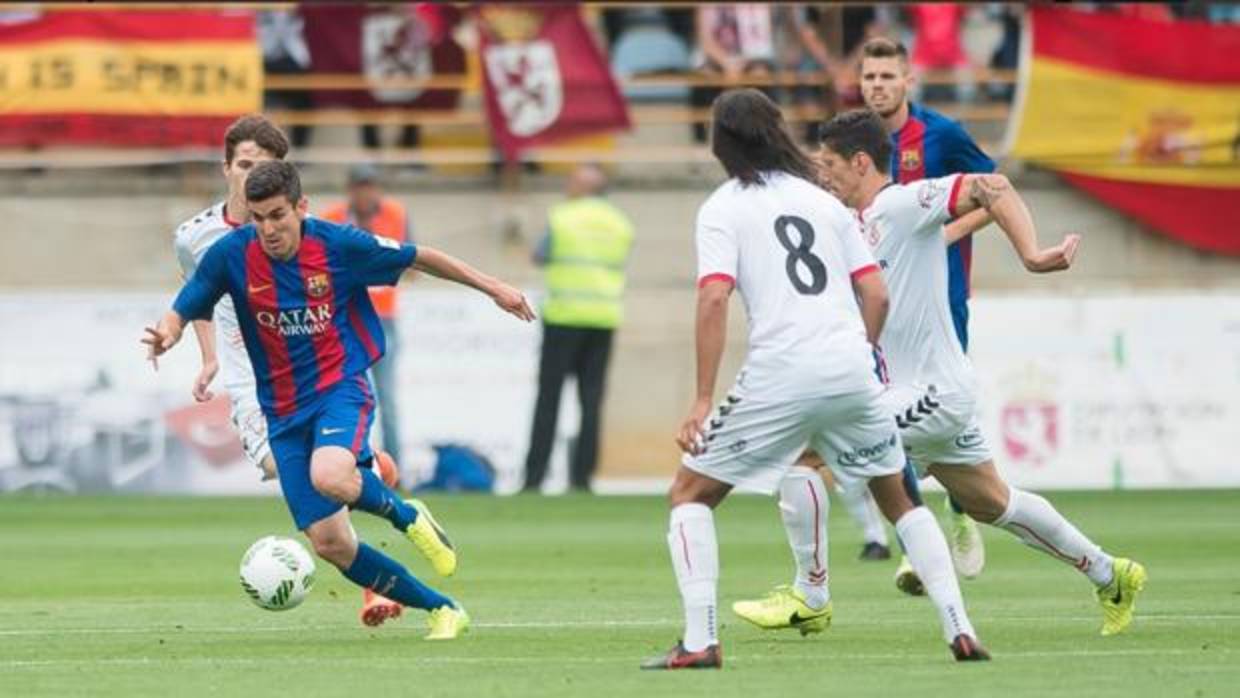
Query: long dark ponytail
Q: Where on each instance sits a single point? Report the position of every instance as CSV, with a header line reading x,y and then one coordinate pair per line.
x,y
749,136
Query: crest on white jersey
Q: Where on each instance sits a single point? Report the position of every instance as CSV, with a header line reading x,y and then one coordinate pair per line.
x,y
928,191
528,85
871,233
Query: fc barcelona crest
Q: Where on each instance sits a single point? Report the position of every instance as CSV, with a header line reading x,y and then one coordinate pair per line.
x,y
910,159
317,285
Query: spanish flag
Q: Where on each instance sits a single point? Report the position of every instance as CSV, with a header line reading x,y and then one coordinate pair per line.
x,y
127,77
1142,114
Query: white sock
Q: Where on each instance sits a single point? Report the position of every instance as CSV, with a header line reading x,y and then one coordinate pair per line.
x,y
927,551
861,507
803,505
1032,519
695,557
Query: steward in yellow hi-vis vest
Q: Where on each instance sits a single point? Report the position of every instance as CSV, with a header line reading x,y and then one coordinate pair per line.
x,y
589,241
584,253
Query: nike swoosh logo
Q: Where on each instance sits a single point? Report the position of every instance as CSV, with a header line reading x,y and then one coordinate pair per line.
x,y
1119,590
796,619
329,432
259,289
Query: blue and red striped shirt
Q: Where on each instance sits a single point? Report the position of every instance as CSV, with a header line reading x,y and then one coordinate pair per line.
x,y
308,322
931,145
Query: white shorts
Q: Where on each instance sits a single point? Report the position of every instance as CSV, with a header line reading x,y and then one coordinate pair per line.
x,y
251,425
752,444
239,383
937,427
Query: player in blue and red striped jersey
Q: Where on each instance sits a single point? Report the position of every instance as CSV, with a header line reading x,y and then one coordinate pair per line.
x,y
299,288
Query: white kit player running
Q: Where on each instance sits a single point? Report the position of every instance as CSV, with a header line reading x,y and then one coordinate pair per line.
x,y
934,390
250,140
794,254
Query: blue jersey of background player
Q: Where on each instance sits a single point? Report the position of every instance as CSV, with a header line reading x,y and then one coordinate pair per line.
x,y
929,144
299,289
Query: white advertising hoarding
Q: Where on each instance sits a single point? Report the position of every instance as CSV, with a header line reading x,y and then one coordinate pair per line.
x,y
1077,392
1095,392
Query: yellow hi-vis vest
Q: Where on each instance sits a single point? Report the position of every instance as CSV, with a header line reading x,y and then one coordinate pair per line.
x,y
590,242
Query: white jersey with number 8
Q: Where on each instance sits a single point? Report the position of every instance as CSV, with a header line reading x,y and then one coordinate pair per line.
x,y
792,249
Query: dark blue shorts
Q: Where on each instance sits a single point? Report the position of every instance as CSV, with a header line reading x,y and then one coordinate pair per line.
x,y
342,418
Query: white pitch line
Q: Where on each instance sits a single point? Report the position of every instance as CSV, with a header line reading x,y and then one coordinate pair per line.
x,y
229,630
405,660
552,625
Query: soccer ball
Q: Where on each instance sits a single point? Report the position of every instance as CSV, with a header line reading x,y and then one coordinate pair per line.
x,y
277,573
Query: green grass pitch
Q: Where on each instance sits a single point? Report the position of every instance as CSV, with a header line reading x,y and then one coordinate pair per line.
x,y
139,596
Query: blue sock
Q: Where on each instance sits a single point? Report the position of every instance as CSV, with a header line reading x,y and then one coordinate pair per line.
x,y
910,484
387,577
913,489
379,499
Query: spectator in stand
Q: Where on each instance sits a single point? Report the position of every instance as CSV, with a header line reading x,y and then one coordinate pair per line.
x,y
937,46
735,40
369,209
800,50
1006,55
855,25
285,53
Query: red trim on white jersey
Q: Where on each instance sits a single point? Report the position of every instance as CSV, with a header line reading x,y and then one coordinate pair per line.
x,y
230,222
954,196
867,269
719,276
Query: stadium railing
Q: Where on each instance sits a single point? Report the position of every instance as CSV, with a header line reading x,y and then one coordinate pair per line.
x,y
470,116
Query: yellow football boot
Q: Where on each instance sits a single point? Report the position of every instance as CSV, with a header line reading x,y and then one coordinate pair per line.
x,y
430,539
447,623
906,578
784,607
1118,599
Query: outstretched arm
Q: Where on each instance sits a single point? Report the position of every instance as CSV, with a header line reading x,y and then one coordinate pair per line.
x,y
446,266
710,333
204,332
163,336
995,194
966,225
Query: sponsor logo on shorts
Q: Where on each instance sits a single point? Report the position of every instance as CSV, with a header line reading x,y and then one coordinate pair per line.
x,y
867,454
972,438
737,446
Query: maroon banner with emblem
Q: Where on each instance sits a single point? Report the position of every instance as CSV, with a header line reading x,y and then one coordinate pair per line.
x,y
383,43
545,79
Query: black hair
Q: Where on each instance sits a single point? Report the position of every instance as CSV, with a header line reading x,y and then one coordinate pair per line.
x,y
273,178
749,136
257,128
857,131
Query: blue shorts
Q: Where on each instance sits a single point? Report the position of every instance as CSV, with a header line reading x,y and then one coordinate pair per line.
x,y
342,417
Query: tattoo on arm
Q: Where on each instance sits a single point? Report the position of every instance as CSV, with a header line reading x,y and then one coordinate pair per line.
x,y
987,189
